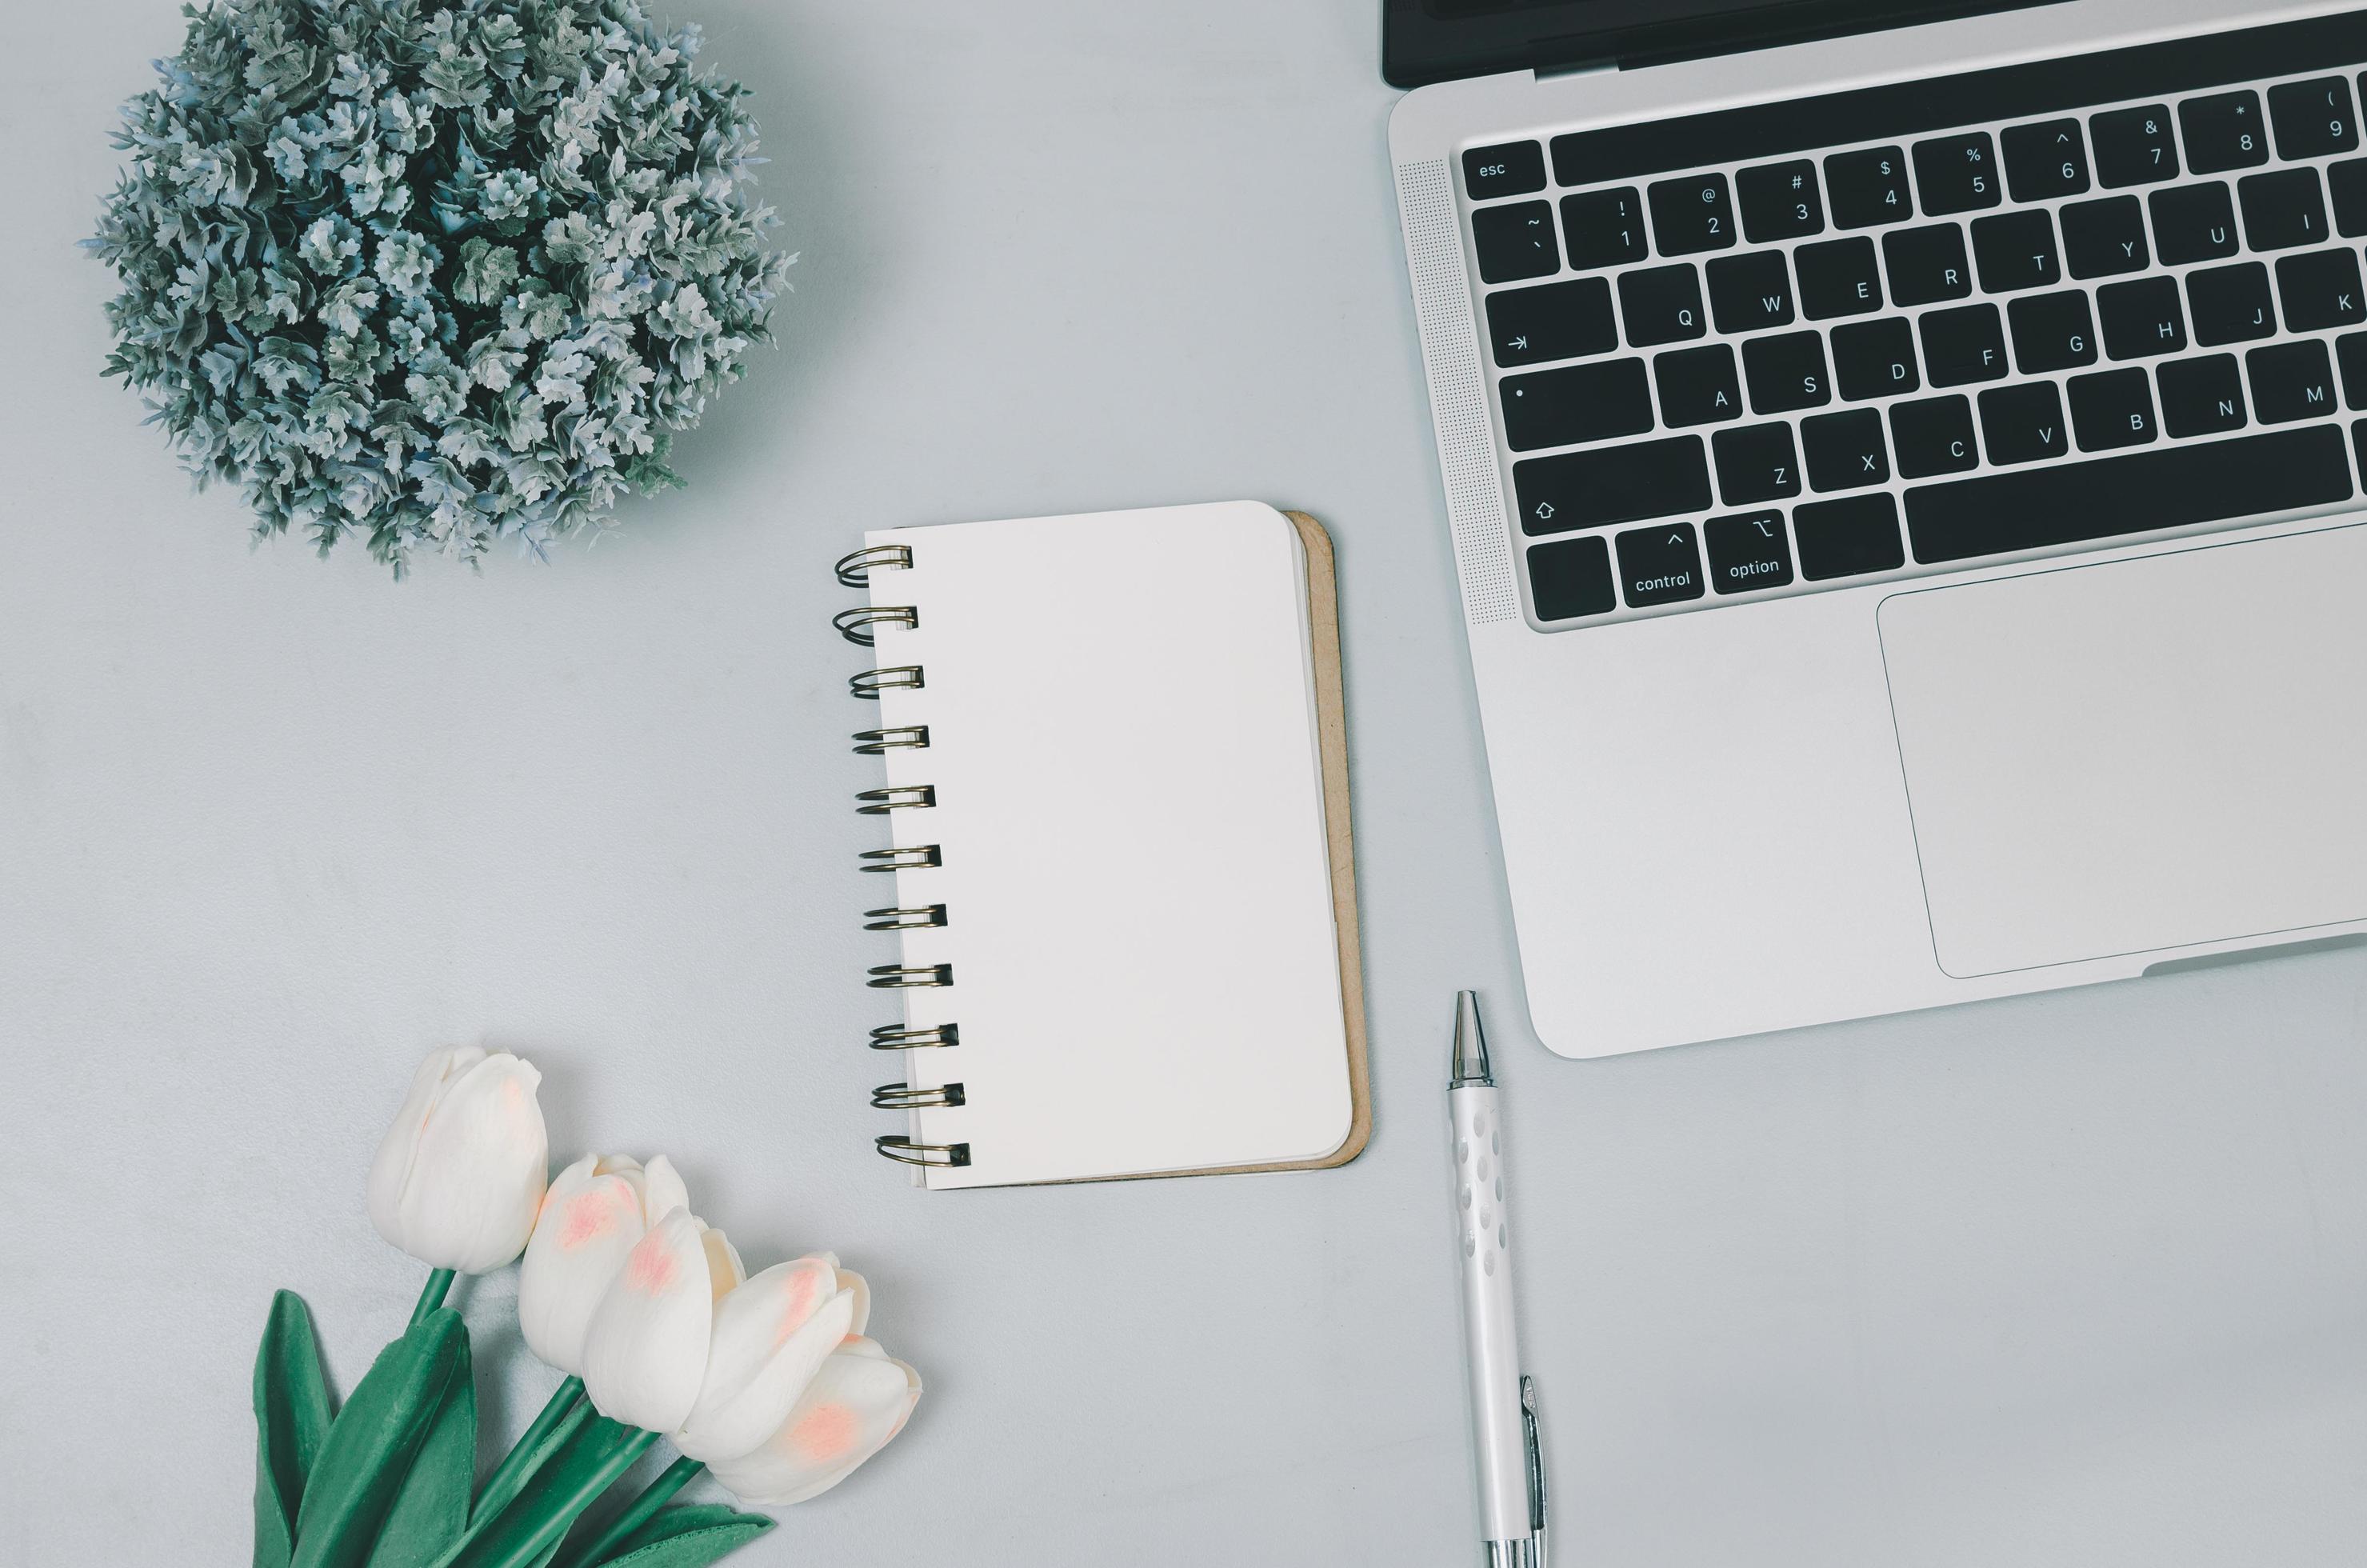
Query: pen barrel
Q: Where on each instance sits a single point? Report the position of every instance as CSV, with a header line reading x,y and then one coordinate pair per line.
x,y
1483,1241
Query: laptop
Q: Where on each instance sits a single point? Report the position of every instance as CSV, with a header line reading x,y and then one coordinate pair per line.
x,y
1903,470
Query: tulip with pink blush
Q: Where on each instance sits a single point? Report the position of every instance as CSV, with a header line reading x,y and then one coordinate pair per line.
x,y
645,1348
859,1399
770,1336
596,1210
682,1344
459,1178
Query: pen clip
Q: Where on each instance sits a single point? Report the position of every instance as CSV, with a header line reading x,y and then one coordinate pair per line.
x,y
1534,1445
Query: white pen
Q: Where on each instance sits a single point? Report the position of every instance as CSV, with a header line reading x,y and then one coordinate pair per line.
x,y
1503,1402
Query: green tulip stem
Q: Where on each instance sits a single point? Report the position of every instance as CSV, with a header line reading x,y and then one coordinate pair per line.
x,y
677,1475
565,1510
503,1484
440,1285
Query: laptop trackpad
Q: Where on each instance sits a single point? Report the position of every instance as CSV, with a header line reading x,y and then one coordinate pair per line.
x,y
2144,755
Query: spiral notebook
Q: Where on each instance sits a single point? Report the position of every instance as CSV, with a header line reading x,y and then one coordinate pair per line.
x,y
1117,822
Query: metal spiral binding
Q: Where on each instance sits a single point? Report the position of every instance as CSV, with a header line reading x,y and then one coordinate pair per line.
x,y
887,1037
855,625
929,919
855,571
947,1155
908,977
895,677
897,798
912,858
858,626
905,1097
879,743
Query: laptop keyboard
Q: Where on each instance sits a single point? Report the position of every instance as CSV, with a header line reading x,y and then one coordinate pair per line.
x,y
1907,328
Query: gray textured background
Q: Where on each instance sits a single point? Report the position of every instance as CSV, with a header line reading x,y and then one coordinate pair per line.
x,y
2074,1281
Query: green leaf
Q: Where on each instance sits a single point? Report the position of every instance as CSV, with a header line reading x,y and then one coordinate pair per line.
x,y
291,1416
686,1537
432,1507
537,1520
373,1441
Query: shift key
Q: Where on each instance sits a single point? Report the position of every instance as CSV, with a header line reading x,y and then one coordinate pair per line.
x,y
1612,484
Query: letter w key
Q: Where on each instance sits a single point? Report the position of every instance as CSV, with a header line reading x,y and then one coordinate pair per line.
x,y
1751,292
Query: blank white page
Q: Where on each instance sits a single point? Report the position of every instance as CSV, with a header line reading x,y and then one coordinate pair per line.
x,y
1124,747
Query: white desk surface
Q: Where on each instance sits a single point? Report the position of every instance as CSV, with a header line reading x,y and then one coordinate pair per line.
x,y
2077,1281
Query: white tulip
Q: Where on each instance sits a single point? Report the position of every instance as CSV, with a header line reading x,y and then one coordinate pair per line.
x,y
645,1349
770,1336
859,1400
682,1343
459,1177
595,1211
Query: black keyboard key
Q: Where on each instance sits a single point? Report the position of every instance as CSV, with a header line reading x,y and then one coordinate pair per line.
x,y
2201,397
1553,321
1957,174
2283,209
1963,346
2347,185
1604,227
1849,538
2321,290
1927,265
1692,215
1781,201
1875,358
1787,372
2134,146
2351,353
2314,119
2051,332
2195,222
2112,410
1749,554
2142,318
1662,304
1839,277
1612,484
2016,250
1516,169
1660,565
1584,402
1698,386
1571,578
2046,161
1756,464
1751,292
1516,242
2291,382
2171,486
2231,304
1867,189
2023,423
2102,239
1934,437
1845,451
2224,133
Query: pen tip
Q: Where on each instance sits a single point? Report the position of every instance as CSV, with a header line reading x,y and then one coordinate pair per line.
x,y
1470,1061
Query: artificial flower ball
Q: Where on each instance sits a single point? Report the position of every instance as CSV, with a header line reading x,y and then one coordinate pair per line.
x,y
435,276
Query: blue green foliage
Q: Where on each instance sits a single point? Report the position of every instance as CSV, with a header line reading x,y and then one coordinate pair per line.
x,y
434,273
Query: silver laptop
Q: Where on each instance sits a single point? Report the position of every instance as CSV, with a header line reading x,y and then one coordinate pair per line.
x,y
1904,480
